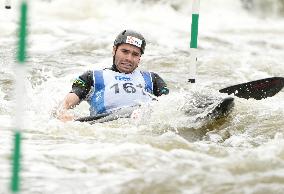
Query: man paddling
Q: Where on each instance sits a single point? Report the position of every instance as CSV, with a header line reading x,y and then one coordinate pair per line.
x,y
120,86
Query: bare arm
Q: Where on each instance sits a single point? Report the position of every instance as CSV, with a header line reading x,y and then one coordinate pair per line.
x,y
80,89
69,102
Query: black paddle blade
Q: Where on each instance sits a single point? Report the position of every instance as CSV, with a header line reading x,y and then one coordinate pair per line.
x,y
258,89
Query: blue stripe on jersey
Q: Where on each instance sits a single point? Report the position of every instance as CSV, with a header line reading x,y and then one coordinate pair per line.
x,y
148,82
99,92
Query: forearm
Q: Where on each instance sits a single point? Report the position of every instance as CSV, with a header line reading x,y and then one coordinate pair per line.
x,y
70,101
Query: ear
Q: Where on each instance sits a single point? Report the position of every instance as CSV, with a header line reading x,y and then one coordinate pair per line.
x,y
113,50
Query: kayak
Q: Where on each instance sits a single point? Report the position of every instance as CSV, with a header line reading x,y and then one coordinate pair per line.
x,y
212,109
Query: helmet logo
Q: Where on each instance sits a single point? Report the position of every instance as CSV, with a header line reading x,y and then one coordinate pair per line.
x,y
134,41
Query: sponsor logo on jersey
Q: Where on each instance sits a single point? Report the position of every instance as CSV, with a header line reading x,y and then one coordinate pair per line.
x,y
79,82
122,78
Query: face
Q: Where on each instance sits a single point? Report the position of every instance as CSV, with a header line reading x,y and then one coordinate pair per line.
x,y
127,57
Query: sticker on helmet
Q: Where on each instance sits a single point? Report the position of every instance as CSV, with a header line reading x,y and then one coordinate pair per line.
x,y
134,41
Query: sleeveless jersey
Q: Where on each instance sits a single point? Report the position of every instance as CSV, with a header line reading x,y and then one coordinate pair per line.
x,y
114,90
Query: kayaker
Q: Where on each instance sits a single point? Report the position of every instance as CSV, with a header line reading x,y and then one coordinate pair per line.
x,y
121,85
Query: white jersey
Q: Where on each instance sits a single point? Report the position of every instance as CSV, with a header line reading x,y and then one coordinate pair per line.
x,y
113,90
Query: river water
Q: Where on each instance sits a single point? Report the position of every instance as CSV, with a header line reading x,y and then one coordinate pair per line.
x,y
168,152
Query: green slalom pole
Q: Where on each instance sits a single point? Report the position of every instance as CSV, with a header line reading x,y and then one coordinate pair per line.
x,y
193,41
21,57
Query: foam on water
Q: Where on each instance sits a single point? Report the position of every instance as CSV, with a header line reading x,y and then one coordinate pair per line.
x,y
168,152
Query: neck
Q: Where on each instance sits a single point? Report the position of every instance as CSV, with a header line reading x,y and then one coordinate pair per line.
x,y
114,68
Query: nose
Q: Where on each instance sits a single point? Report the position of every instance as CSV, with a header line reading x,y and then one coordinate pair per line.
x,y
129,57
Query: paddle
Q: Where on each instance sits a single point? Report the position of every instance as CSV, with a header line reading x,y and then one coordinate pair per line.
x,y
258,89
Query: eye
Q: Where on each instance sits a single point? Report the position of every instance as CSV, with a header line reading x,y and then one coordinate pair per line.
x,y
135,54
124,51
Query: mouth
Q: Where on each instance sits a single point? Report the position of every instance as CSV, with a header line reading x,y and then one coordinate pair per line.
x,y
127,65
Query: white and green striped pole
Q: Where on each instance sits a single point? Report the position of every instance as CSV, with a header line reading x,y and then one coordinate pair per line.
x,y
193,41
19,110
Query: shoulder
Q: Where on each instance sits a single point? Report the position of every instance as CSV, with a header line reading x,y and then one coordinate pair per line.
x,y
159,85
85,80
85,77
87,73
83,84
152,75
155,76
